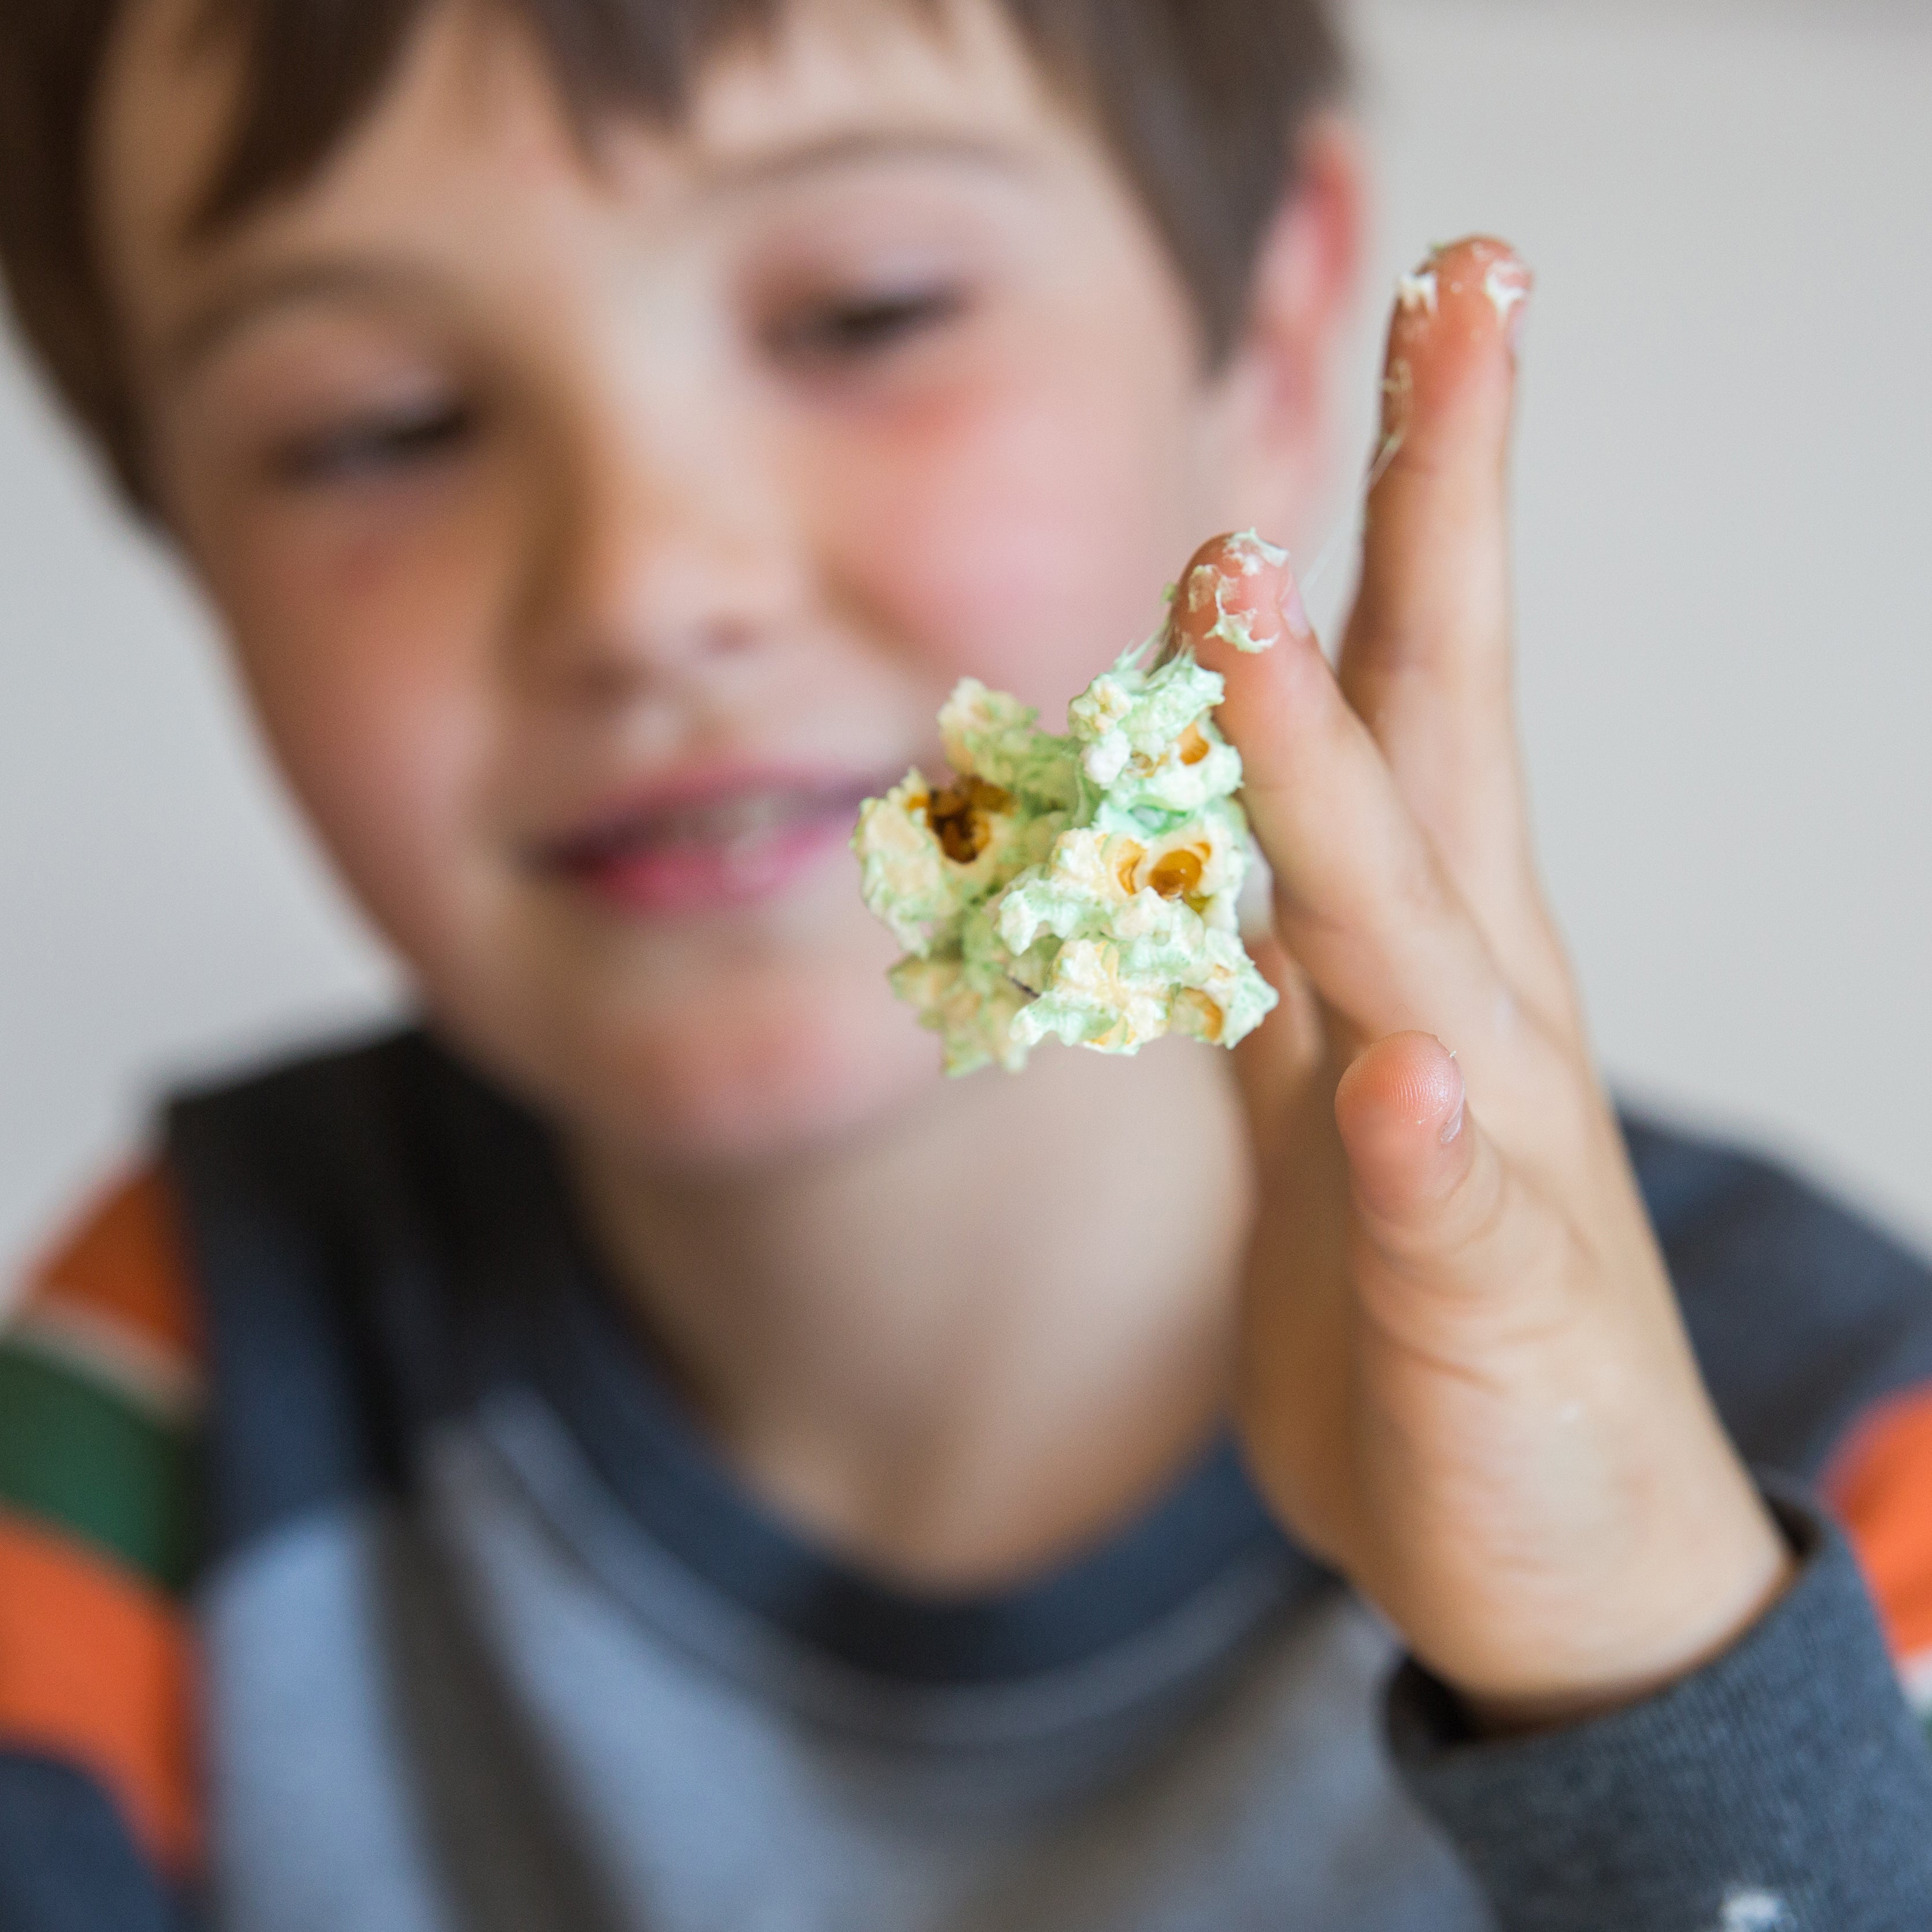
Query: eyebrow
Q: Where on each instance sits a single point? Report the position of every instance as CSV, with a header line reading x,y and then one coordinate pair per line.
x,y
847,145
293,285
297,284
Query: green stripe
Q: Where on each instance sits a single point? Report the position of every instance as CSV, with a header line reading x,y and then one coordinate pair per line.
x,y
75,1453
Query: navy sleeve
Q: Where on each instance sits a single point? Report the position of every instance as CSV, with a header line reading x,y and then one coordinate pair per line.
x,y
1803,1314
67,1863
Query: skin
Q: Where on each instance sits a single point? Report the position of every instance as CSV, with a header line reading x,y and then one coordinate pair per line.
x,y
657,524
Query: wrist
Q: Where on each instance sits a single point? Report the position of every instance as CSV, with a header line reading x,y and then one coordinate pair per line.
x,y
1740,1577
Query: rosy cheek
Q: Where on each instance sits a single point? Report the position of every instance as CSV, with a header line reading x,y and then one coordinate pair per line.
x,y
377,704
1010,531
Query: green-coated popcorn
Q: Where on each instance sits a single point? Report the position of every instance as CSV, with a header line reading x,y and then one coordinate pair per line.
x,y
1082,887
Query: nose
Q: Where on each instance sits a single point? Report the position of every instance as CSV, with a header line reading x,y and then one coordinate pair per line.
x,y
662,541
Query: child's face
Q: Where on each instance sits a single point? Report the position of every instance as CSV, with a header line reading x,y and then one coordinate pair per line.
x,y
593,540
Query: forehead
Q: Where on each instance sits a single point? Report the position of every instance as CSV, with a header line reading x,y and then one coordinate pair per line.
x,y
470,88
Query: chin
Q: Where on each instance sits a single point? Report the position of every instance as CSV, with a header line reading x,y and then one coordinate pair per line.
x,y
781,1068
768,1087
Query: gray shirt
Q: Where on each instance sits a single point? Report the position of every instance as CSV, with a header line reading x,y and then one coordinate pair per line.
x,y
491,1641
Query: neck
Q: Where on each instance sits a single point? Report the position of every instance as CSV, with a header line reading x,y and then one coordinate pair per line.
x,y
925,1345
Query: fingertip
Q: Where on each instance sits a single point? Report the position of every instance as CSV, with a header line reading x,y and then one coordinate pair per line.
x,y
1400,1109
1238,608
1405,1083
1448,393
1474,290
1239,591
1453,339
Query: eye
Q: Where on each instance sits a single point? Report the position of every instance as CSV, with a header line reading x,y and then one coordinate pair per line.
x,y
853,327
374,444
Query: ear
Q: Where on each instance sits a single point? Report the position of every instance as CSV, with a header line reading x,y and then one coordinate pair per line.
x,y
1274,400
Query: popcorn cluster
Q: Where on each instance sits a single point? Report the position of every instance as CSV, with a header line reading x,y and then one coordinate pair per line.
x,y
1082,887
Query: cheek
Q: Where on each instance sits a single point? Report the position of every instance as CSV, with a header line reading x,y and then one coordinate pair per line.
x,y
360,652
1022,528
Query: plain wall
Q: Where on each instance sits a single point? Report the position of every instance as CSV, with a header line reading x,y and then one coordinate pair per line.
x,y
1725,477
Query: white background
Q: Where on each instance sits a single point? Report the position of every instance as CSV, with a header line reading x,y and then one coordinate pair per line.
x,y
1725,482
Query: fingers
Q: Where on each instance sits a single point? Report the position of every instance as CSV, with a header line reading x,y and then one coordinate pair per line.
x,y
1553,1515
1427,659
1361,901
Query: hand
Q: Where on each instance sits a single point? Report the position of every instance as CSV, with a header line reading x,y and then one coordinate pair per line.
x,y
1464,1381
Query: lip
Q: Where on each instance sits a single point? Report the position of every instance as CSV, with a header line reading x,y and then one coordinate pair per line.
x,y
705,840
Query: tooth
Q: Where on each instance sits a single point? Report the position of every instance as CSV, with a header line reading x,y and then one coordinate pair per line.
x,y
730,821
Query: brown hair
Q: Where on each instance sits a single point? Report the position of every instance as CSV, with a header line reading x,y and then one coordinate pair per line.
x,y
1198,100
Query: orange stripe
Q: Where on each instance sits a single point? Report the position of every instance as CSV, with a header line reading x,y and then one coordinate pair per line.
x,y
124,1260
1881,1488
95,1669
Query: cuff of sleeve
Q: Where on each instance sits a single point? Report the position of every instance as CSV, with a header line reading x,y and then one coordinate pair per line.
x,y
1784,1787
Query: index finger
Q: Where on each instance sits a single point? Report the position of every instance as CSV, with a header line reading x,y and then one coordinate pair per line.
x,y
1361,902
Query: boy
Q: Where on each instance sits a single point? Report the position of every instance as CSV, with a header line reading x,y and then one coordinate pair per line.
x,y
667,1458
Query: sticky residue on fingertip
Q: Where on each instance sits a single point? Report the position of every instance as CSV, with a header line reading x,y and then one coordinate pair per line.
x,y
1244,554
1249,549
1235,627
1398,397
1204,593
1507,284
1417,292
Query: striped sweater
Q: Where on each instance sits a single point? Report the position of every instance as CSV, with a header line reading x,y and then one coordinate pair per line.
x,y
101,1389
149,1379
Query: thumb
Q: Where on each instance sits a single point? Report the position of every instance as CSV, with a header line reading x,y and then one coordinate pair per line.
x,y
1401,1109
1461,1254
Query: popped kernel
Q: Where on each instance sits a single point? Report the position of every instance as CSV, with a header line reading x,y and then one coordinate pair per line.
x,y
1080,887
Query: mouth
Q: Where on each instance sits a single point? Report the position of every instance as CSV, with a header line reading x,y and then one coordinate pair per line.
x,y
709,844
